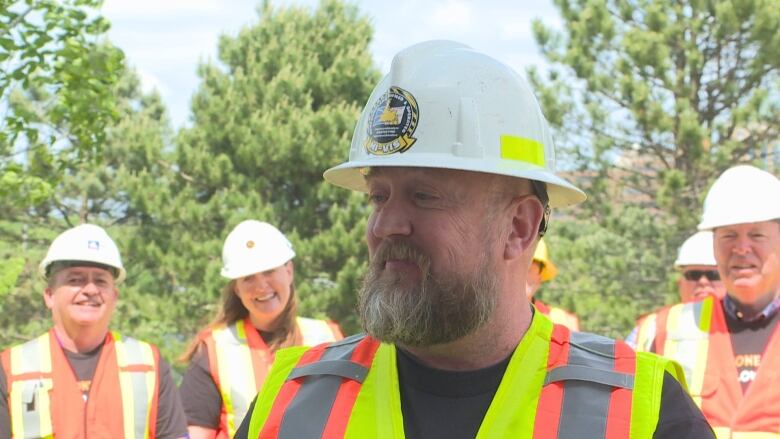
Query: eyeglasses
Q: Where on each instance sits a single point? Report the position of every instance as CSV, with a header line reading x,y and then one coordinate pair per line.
x,y
694,275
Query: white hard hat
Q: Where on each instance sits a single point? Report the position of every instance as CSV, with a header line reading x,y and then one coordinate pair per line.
x,y
252,247
741,195
86,243
444,105
696,250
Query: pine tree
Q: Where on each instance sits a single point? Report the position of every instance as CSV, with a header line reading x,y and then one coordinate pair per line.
x,y
651,101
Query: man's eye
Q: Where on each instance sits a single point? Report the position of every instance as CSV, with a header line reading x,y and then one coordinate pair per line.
x,y
377,198
424,196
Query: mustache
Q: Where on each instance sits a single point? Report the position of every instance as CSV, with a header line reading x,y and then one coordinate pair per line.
x,y
403,250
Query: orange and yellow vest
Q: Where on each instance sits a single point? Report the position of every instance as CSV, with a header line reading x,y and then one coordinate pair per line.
x,y
44,398
695,334
239,361
558,315
350,389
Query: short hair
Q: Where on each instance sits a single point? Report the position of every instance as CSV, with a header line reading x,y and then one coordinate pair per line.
x,y
57,266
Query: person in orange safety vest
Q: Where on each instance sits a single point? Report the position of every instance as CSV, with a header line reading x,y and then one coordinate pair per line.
x,y
698,278
79,379
729,347
542,270
230,358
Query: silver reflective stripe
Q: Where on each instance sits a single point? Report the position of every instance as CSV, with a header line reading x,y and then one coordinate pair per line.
x,y
30,357
141,398
241,392
31,414
585,373
31,397
585,406
316,396
342,368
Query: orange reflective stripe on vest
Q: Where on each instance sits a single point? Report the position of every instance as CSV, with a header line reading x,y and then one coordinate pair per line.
x,y
696,335
45,398
318,395
560,412
239,361
335,373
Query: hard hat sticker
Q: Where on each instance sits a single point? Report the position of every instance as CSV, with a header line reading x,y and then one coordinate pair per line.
x,y
392,122
93,245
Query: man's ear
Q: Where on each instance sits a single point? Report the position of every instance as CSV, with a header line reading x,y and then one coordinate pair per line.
x,y
48,297
526,213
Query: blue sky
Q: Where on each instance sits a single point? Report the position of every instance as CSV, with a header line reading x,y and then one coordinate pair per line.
x,y
165,40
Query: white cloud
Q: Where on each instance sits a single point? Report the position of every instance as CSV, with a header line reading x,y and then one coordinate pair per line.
x,y
167,39
453,15
151,82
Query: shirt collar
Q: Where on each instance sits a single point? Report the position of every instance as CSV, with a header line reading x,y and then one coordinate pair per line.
x,y
731,307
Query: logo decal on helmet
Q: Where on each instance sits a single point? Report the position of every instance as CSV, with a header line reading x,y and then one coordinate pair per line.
x,y
93,245
393,120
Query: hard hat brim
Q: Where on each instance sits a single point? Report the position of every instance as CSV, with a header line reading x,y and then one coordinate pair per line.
x,y
549,270
714,223
350,175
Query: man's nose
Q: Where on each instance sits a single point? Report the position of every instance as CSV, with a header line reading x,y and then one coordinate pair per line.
x,y
393,218
742,246
90,288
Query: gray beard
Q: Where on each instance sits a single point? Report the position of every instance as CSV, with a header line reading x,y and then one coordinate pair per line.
x,y
440,309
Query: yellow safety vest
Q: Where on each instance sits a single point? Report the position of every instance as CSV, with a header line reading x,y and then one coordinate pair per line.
x,y
376,410
239,360
44,399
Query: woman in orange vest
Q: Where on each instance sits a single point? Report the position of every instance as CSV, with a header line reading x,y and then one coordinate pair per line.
x,y
230,358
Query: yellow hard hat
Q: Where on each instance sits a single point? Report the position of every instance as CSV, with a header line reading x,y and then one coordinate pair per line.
x,y
542,256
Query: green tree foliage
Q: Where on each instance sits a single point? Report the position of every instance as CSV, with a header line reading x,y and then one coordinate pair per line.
x,y
102,190
651,100
50,49
276,111
50,53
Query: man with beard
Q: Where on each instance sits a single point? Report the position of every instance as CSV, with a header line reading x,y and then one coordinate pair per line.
x,y
729,346
458,164
79,379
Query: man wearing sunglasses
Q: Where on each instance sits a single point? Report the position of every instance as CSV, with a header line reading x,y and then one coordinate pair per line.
x,y
698,278
699,275
730,347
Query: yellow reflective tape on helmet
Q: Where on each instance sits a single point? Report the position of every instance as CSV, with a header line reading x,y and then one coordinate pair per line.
x,y
522,149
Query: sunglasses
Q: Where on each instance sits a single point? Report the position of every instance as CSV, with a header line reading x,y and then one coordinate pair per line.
x,y
694,275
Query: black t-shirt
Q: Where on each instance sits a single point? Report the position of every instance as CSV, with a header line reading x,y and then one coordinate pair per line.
x,y
451,405
171,422
199,394
749,341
